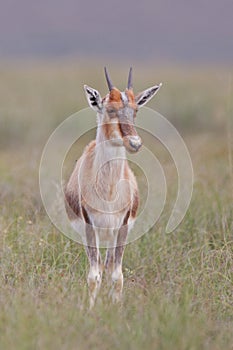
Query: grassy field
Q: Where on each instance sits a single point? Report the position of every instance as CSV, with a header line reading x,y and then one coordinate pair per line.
x,y
178,291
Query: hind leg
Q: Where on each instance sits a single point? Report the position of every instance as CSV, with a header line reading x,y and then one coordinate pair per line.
x,y
95,272
109,264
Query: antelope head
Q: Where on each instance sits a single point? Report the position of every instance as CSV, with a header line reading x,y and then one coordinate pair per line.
x,y
116,112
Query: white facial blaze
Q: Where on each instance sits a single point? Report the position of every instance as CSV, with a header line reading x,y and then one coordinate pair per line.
x,y
124,98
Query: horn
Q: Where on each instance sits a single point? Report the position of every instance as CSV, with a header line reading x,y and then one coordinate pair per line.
x,y
130,82
110,85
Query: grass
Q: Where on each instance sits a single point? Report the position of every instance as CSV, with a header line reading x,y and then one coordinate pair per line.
x,y
178,287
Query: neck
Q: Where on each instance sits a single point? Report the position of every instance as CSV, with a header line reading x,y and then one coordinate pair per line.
x,y
108,156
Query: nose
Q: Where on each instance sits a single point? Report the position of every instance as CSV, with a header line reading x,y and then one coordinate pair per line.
x,y
135,142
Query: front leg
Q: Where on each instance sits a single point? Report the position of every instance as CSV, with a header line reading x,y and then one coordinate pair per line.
x,y
117,275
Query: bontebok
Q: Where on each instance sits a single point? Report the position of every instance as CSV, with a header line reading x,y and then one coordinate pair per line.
x,y
102,192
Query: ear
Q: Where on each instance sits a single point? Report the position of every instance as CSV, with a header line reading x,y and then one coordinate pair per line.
x,y
143,97
93,97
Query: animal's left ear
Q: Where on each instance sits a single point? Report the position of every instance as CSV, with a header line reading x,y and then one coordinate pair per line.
x,y
93,98
143,97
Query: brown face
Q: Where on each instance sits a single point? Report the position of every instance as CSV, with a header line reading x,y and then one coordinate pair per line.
x,y
120,113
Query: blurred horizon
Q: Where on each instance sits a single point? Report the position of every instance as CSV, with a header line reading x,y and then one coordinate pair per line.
x,y
49,50
165,31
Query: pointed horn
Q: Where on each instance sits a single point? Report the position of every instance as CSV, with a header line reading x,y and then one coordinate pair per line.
x,y
130,81
110,85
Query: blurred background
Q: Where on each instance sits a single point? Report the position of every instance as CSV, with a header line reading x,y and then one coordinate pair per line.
x,y
199,31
